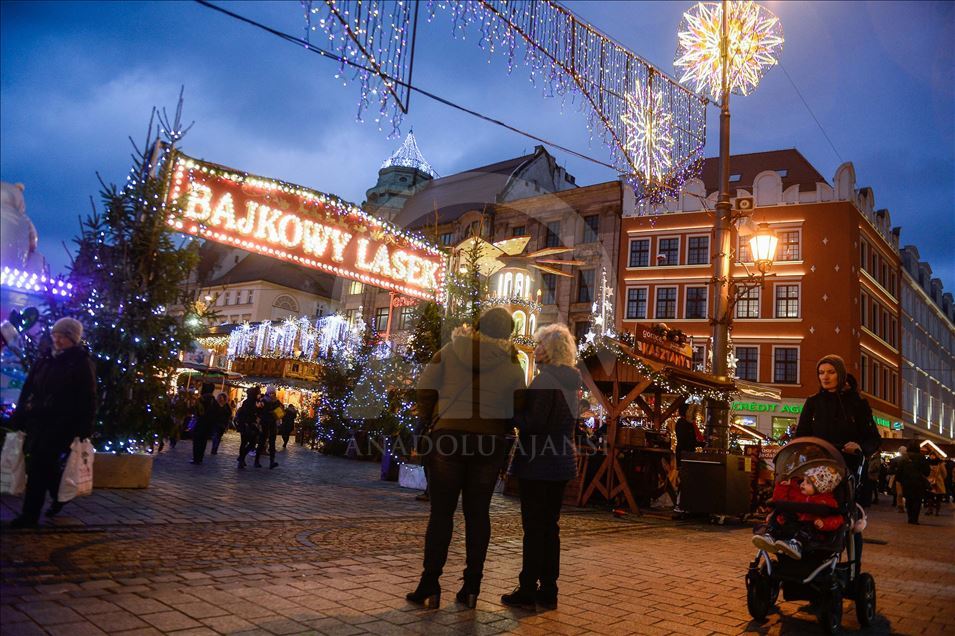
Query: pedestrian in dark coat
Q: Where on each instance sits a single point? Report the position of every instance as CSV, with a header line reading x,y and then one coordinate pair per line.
x,y
223,418
466,397
288,424
544,461
913,475
270,413
686,433
57,404
207,415
247,423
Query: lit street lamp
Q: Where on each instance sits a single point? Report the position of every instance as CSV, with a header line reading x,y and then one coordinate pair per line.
x,y
725,48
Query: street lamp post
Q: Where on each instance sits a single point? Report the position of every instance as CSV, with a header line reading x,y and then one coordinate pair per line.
x,y
725,48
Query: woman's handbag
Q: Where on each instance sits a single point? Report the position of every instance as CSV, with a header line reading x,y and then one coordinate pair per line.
x,y
13,468
77,480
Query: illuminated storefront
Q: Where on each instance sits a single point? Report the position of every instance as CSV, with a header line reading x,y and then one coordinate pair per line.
x,y
772,419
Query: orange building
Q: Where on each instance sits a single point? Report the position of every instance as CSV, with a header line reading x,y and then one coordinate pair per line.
x,y
834,288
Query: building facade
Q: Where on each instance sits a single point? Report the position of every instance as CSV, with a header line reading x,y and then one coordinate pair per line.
x,y
928,343
834,288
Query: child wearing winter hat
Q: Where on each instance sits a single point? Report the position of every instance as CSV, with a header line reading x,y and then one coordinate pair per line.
x,y
787,532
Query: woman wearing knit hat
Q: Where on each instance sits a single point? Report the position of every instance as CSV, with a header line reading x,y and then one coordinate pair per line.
x,y
56,404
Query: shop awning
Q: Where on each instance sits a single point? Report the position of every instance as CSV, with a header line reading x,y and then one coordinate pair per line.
x,y
754,390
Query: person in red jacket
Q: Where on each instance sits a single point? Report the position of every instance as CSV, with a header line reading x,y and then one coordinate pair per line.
x,y
787,532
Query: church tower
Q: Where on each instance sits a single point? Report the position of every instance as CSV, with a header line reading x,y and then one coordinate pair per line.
x,y
403,174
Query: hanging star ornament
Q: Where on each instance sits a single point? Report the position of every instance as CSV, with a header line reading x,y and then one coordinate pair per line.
x,y
648,140
755,40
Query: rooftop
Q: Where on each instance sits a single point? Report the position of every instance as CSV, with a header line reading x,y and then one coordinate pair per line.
x,y
793,168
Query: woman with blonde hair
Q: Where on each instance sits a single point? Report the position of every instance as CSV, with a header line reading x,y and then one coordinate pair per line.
x,y
544,461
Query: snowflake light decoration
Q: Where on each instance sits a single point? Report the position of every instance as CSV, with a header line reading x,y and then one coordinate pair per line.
x,y
755,39
648,140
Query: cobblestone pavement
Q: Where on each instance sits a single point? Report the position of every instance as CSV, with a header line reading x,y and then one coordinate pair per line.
x,y
320,546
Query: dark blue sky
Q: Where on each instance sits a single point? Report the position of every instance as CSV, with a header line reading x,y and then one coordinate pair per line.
x,y
77,79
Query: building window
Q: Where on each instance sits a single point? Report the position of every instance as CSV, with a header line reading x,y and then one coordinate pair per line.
x,y
743,254
862,249
666,303
580,330
552,234
585,286
862,309
249,295
639,253
876,373
789,246
591,228
287,303
699,357
637,303
786,365
355,287
549,284
519,230
748,304
447,238
406,318
695,302
787,301
747,363
381,319
698,250
351,316
668,251
783,426
228,298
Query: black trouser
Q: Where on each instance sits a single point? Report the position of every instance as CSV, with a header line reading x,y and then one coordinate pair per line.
x,y
268,435
250,437
286,434
467,465
540,513
199,441
790,527
44,470
913,502
217,439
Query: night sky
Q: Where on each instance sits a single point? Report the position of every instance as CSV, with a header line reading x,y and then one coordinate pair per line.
x,y
77,79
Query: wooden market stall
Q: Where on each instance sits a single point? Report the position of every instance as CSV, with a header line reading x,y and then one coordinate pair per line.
x,y
644,381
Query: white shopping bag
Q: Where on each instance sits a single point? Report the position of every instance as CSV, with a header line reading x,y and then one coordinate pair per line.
x,y
77,478
13,468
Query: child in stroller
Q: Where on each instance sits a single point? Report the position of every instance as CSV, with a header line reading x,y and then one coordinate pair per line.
x,y
787,531
812,567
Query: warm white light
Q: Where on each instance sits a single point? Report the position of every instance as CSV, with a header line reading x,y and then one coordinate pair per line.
x,y
763,247
755,39
648,139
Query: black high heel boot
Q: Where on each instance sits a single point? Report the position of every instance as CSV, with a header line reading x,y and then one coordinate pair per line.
x,y
468,595
427,594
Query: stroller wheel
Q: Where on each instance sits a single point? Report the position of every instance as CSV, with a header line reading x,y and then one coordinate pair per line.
x,y
831,614
865,599
759,592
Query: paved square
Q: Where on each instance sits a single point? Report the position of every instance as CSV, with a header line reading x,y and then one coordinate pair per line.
x,y
321,546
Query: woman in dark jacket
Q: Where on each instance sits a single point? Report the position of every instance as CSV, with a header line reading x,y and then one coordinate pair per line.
x,y
288,424
270,412
467,397
207,415
247,423
545,460
57,404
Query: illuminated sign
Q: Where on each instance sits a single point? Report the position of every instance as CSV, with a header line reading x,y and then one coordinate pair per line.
x,y
887,423
655,347
765,407
296,224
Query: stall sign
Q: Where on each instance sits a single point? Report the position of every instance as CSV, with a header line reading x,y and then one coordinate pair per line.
x,y
655,347
293,223
766,407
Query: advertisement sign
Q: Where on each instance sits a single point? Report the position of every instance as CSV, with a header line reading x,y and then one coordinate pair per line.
x,y
652,345
309,228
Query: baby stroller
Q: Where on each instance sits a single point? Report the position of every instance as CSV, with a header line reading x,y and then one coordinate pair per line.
x,y
821,576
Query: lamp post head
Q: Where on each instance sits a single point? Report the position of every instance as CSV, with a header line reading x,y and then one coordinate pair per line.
x,y
762,245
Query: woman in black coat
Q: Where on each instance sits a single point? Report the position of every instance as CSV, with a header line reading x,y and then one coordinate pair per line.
x,y
544,461
57,404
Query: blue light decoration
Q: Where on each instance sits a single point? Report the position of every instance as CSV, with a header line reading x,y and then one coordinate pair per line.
x,y
654,128
32,282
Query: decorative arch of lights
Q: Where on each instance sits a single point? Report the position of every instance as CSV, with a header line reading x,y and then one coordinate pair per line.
x,y
654,128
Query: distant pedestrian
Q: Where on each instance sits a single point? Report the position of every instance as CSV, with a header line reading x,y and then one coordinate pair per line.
x,y
545,460
913,475
288,424
247,423
223,418
57,403
686,433
206,416
895,486
270,413
937,489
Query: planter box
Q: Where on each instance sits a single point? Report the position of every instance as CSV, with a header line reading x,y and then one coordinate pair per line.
x,y
122,471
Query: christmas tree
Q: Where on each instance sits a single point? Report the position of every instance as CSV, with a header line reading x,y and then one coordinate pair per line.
x,y
128,272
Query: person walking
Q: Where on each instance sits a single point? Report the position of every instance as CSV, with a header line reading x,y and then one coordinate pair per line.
x,y
466,396
894,484
247,423
270,413
57,404
936,479
206,413
545,460
222,420
288,424
913,475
